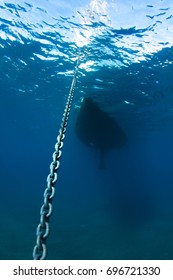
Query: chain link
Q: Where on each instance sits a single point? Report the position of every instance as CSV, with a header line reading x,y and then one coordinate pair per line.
x,y
40,249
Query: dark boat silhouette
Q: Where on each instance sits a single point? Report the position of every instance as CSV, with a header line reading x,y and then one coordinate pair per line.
x,y
95,128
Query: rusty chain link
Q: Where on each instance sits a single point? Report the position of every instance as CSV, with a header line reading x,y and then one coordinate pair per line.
x,y
42,232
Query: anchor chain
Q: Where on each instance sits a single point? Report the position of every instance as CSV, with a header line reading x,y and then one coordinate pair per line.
x,y
42,232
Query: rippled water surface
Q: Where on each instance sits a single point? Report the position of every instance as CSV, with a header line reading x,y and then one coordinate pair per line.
x,y
124,53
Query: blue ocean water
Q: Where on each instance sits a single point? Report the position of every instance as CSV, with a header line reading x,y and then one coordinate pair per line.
x,y
125,55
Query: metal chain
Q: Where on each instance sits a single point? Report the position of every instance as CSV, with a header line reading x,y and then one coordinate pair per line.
x,y
42,232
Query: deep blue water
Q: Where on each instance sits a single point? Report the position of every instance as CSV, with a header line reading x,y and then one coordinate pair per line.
x,y
125,55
